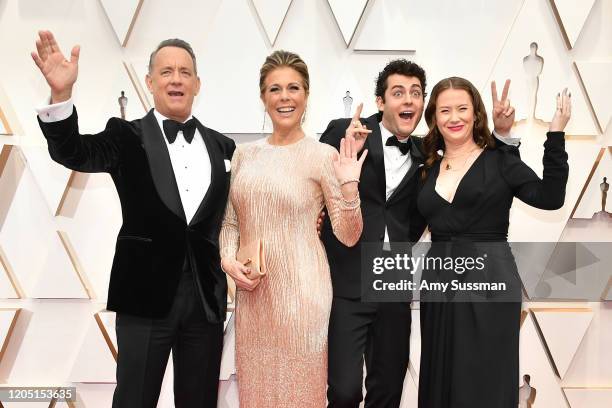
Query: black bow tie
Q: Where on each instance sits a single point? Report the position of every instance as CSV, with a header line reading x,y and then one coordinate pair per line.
x,y
393,141
172,127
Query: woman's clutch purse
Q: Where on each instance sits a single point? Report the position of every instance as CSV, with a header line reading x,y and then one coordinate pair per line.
x,y
255,252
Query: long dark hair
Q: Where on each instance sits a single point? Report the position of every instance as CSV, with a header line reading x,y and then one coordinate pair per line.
x,y
401,67
433,141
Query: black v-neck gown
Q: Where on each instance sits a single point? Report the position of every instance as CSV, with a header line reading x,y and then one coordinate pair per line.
x,y
470,350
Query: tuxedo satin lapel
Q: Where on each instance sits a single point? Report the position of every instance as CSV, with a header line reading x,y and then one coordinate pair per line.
x,y
217,170
411,173
375,152
417,161
160,164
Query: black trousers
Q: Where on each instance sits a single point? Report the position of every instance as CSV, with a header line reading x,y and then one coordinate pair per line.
x,y
144,346
380,332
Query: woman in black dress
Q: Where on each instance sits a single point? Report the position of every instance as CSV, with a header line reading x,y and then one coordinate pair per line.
x,y
470,342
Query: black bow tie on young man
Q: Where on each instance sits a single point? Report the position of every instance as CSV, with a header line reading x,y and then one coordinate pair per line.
x,y
394,141
172,127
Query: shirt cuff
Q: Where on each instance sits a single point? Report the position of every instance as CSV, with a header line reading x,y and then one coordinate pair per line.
x,y
509,140
56,112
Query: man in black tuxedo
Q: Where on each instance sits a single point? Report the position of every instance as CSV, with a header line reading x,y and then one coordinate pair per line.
x,y
172,176
390,179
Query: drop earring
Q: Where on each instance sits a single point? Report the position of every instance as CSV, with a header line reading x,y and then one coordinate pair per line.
x,y
263,124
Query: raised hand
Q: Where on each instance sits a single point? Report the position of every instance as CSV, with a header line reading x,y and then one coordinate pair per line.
x,y
347,167
357,130
503,112
60,73
563,113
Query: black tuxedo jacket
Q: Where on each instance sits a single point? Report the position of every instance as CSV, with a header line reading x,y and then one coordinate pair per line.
x,y
399,214
155,242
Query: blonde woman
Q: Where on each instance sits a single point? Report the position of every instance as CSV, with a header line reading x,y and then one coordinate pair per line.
x,y
278,188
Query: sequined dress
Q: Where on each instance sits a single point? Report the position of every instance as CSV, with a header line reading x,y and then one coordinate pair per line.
x,y
276,194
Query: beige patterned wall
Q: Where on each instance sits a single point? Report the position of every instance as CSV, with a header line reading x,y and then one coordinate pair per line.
x,y
58,228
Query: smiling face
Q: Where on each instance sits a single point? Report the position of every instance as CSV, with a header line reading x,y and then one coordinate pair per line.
x,y
402,106
173,82
284,98
455,116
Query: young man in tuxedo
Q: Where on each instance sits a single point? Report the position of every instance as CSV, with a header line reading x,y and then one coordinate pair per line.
x,y
172,176
380,331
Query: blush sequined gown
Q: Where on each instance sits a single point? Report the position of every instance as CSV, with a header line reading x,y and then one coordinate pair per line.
x,y
276,195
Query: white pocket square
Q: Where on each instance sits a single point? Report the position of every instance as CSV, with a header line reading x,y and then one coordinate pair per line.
x,y
228,165
421,164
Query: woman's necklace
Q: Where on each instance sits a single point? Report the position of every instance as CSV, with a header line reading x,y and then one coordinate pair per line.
x,y
450,167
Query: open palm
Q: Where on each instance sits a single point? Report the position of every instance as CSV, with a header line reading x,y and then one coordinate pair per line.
x,y
60,73
346,164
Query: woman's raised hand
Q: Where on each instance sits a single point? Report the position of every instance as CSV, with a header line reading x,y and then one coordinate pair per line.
x,y
563,112
347,166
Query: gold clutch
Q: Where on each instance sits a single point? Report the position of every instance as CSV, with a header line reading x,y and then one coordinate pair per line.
x,y
255,252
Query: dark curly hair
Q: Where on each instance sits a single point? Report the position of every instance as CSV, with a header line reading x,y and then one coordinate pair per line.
x,y
433,141
401,67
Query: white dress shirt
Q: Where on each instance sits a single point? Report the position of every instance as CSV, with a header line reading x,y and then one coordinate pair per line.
x,y
190,161
191,165
396,165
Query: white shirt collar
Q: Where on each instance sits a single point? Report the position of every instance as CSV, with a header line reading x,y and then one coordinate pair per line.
x,y
161,117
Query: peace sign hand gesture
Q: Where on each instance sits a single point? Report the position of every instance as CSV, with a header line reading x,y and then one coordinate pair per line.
x,y
60,73
503,112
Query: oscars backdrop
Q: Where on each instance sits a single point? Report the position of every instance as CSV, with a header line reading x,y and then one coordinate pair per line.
x,y
58,228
